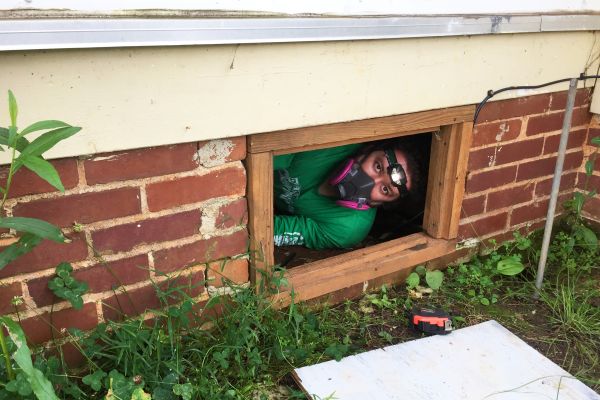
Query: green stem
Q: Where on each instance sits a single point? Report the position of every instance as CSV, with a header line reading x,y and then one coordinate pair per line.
x,y
592,158
9,178
9,370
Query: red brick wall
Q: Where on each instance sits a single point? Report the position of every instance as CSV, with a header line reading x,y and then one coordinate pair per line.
x,y
132,217
512,160
182,210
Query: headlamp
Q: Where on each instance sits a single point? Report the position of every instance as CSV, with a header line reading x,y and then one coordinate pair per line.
x,y
396,172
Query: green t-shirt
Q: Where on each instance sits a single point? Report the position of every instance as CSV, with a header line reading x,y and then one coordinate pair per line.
x,y
303,216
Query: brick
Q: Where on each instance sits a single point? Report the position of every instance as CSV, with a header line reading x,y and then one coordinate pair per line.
x,y
127,236
142,163
201,251
41,295
559,99
554,121
593,133
592,207
83,208
100,278
545,166
593,182
504,109
485,134
217,152
72,355
505,153
483,226
130,303
26,182
535,211
518,151
48,254
221,273
490,179
510,196
193,189
576,139
482,158
232,214
108,276
528,213
567,181
473,206
7,292
44,327
573,160
179,288
596,162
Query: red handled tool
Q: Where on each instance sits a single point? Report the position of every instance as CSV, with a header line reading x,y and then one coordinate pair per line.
x,y
435,322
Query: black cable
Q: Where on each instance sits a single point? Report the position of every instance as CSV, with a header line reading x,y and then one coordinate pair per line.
x,y
492,93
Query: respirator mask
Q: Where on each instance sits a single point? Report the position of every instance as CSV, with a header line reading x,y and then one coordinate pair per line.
x,y
354,186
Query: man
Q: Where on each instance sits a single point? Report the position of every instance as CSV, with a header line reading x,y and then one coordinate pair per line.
x,y
327,198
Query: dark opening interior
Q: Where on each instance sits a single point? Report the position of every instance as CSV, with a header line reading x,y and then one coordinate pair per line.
x,y
392,221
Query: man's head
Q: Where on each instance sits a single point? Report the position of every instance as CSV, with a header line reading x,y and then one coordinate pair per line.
x,y
381,173
391,174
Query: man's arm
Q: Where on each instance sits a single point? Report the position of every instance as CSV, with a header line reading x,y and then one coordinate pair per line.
x,y
298,230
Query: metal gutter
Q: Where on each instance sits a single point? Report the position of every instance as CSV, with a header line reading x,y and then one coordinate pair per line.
x,y
37,34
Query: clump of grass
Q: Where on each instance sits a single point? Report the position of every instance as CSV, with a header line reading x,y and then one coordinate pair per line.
x,y
572,311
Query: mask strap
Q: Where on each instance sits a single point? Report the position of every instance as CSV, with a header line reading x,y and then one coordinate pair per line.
x,y
341,174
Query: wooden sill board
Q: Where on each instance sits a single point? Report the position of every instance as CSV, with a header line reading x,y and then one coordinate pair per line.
x,y
484,361
329,275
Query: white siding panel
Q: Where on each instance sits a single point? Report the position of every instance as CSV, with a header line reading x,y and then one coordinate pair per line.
x,y
141,97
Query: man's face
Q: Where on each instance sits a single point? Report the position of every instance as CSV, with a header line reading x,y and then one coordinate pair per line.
x,y
375,165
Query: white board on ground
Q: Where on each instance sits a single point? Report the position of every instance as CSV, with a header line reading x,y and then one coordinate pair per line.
x,y
484,361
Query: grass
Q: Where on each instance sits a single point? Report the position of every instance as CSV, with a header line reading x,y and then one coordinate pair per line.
x,y
241,347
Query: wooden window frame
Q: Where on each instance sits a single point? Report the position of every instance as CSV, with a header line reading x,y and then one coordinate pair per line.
x,y
445,189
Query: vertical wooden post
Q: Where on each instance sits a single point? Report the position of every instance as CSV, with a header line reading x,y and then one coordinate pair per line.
x,y
445,187
260,223
460,175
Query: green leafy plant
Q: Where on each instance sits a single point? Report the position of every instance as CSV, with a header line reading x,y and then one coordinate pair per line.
x,y
575,245
27,379
185,391
432,278
24,378
30,156
94,380
66,287
382,300
584,237
481,278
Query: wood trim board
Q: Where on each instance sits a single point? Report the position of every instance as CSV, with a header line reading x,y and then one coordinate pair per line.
x,y
329,135
260,213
